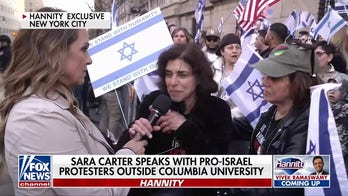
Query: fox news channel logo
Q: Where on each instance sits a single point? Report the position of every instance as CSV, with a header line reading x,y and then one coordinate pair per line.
x,y
34,171
301,171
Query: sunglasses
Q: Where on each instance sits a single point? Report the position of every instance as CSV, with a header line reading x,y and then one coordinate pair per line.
x,y
214,39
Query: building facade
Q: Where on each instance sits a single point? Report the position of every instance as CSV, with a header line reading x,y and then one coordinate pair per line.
x,y
181,12
33,5
9,16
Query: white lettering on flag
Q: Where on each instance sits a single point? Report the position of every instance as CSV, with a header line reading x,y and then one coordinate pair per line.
x,y
123,54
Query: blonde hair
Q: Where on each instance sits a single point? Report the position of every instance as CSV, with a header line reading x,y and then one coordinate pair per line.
x,y
37,65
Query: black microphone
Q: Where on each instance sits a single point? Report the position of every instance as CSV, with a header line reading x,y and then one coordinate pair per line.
x,y
160,106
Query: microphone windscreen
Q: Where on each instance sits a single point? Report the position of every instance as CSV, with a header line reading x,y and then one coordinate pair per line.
x,y
162,103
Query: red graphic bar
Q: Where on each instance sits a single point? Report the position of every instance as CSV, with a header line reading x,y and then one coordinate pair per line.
x,y
87,182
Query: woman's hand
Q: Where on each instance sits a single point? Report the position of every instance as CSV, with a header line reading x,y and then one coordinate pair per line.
x,y
169,122
142,127
137,144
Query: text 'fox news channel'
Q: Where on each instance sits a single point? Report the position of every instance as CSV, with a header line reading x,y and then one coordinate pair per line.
x,y
65,20
197,171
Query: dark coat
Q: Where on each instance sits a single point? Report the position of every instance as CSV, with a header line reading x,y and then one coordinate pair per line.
x,y
205,131
291,136
322,173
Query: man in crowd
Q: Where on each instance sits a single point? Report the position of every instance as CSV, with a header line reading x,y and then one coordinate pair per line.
x,y
277,34
260,45
212,40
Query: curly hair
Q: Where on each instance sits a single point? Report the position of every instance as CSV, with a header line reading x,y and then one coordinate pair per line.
x,y
192,55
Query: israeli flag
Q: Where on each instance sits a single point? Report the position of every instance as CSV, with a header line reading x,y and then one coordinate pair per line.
x,y
323,139
299,20
244,86
199,16
221,25
146,84
329,25
305,19
114,19
291,22
123,54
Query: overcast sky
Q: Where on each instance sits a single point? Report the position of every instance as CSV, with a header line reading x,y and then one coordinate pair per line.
x,y
71,5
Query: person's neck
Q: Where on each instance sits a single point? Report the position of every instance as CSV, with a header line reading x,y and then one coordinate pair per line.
x,y
228,67
282,110
190,103
326,68
211,50
263,48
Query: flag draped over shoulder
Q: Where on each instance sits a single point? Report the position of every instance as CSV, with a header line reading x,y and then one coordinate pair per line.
x,y
254,9
329,25
244,86
323,139
199,16
114,20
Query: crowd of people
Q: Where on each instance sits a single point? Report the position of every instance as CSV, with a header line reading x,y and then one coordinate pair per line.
x,y
40,113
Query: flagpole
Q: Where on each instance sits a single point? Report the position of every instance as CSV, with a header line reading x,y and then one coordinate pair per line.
x,y
121,109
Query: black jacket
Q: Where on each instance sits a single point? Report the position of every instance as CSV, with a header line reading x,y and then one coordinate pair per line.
x,y
205,131
290,137
322,173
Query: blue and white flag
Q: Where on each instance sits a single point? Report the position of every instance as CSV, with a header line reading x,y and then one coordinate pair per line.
x,y
244,86
146,84
221,24
341,6
299,20
114,19
199,16
329,24
291,22
323,139
123,55
304,19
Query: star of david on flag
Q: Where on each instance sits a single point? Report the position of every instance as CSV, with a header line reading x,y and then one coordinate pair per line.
x,y
127,51
134,57
323,139
255,90
244,86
